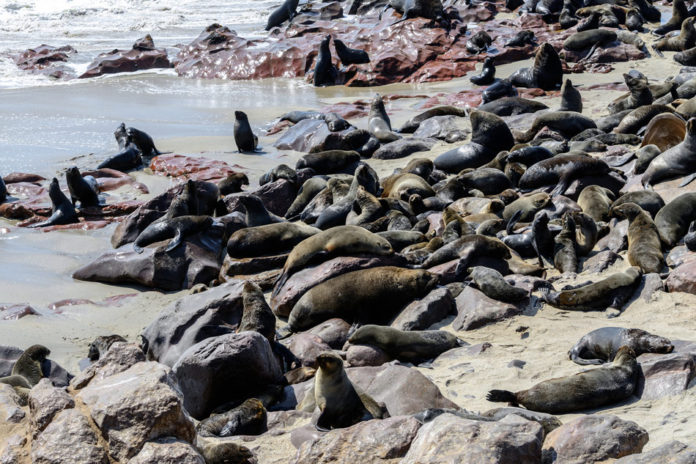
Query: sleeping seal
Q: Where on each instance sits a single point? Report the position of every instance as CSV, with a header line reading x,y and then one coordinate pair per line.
x,y
644,246
407,346
676,162
600,346
175,229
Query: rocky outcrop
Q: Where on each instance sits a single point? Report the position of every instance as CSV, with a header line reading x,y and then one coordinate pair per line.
x,y
45,401
68,438
48,60
119,357
142,56
665,375
167,451
190,167
421,314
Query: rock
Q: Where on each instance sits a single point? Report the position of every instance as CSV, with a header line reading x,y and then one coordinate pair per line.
x,y
333,332
10,409
594,438
650,285
11,312
190,167
451,439
600,261
142,56
673,452
46,59
68,438
45,401
665,375
300,282
119,357
135,406
9,354
421,314
14,428
682,278
549,422
167,451
374,441
616,52
443,128
192,319
474,310
366,355
304,135
276,196
245,266
617,239
402,148
209,372
306,347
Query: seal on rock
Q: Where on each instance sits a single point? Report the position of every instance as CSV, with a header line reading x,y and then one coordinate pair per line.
x,y
233,183
27,370
62,209
256,212
487,74
408,346
101,345
596,201
649,200
675,162
329,162
125,160
82,189
568,123
175,229
268,239
644,245
493,285
325,72
284,12
561,170
673,220
444,110
601,345
565,257
546,73
350,55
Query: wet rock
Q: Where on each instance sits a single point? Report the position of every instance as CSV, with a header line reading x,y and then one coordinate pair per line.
x,y
548,421
119,357
192,319
366,355
474,310
209,372
402,148
137,405
306,347
276,197
9,354
167,451
300,282
374,441
10,312
142,56
442,128
68,438
421,314
600,262
190,167
449,438
46,59
682,278
665,375
673,452
594,438
45,401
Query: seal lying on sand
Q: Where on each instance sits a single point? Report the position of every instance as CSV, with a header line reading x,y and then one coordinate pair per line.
x,y
601,346
585,390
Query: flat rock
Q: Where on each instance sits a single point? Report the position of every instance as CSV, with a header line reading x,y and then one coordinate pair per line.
x,y
68,438
276,196
594,438
674,452
190,167
45,401
334,332
600,261
474,310
167,451
46,59
421,314
617,239
119,357
548,421
443,128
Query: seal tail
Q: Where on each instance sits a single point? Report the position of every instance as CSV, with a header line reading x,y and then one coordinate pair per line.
x,y
502,396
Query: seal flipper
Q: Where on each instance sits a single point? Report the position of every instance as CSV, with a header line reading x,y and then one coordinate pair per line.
x,y
561,186
574,356
687,180
502,396
176,241
137,249
512,221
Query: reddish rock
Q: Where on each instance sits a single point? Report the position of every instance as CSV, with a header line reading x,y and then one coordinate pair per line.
x,y
46,59
11,311
665,375
683,278
356,109
15,177
189,167
142,56
306,347
614,53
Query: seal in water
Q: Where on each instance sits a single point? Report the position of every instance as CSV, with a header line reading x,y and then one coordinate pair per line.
x,y
493,285
585,390
408,346
673,220
546,73
249,418
372,295
62,212
644,246
284,12
675,162
611,292
378,122
82,189
175,229
487,75
341,403
350,55
244,137
600,346
324,70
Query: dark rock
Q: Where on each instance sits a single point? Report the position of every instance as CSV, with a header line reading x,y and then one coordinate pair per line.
x,y
366,355
665,375
673,452
402,148
306,347
600,261
442,128
421,314
474,310
46,59
142,56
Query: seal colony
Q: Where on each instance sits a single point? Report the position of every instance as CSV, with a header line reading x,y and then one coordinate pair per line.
x,y
339,267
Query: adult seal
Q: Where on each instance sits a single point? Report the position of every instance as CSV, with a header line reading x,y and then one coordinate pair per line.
x,y
685,40
673,220
546,73
329,162
570,98
565,257
284,12
584,390
127,159
487,74
601,346
407,346
378,123
62,210
596,201
174,230
493,285
372,295
649,200
82,189
676,162
639,95
644,245
268,239
244,137
350,55
490,135
511,106
324,70
445,110
561,170
568,123
27,370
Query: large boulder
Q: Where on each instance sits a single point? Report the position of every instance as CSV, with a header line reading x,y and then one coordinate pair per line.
x,y
45,401
167,451
224,369
135,406
68,438
421,314
673,452
143,55
474,310
665,375
683,278
452,439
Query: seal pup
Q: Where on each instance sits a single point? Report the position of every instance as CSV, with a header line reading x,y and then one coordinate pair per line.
x,y
341,404
542,240
284,12
644,245
570,98
350,55
493,285
244,137
82,189
62,209
337,241
521,39
233,183
101,345
675,162
175,229
184,204
546,73
499,89
672,221
257,315
611,292
487,74
324,70
27,371
378,123
414,346
586,234
125,160
584,390
601,345
249,418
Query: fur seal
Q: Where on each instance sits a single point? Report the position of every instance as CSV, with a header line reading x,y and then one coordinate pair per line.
x,y
142,140
601,346
586,234
82,189
372,295
568,123
184,204
493,285
675,162
244,137
499,89
350,55
561,170
284,12
546,73
490,135
467,248
596,201
281,171
690,237
341,403
408,346
672,221
3,190
325,72
565,258
125,160
257,315
337,241
649,200
585,390
489,181
527,206
511,106
62,209
611,292
175,229
27,370
686,39
329,162
664,131
249,418
378,123
644,246
570,98
406,184
529,155
101,345
521,39
445,110
487,74
400,239
269,239
478,42
640,117
428,9
233,183
588,39
639,95
256,213
310,189
686,58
